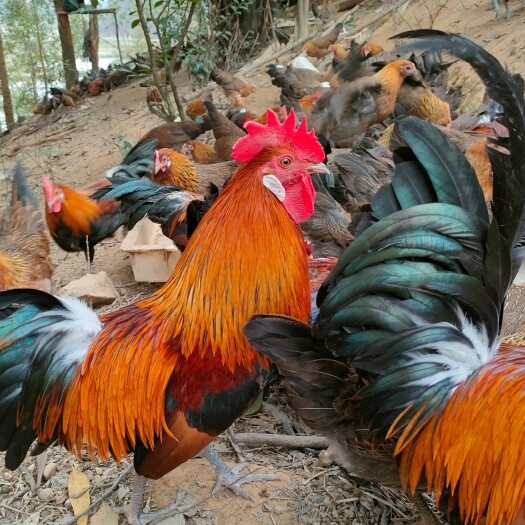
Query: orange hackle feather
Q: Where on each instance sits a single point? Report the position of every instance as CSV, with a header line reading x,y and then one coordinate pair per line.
x,y
191,329
77,212
203,153
181,173
391,80
475,447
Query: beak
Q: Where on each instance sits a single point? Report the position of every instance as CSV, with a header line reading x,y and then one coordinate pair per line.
x,y
318,168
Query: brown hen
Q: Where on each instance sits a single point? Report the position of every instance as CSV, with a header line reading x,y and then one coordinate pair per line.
x,y
226,133
230,83
24,246
318,47
174,134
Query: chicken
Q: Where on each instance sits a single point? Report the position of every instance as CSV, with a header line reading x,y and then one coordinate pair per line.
x,y
358,175
195,108
327,228
412,313
24,247
153,95
75,97
318,47
344,114
472,143
295,82
353,66
174,134
239,115
166,375
76,221
230,83
226,133
178,212
46,106
201,153
418,100
172,167
508,12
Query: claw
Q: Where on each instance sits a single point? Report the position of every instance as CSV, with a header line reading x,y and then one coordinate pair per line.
x,y
231,477
233,480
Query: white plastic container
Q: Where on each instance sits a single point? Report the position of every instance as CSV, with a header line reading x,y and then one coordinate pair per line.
x,y
153,256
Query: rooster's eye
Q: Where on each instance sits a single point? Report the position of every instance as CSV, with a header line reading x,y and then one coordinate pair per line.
x,y
285,162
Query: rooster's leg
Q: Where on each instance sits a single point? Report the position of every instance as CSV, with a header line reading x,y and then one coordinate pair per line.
x,y
231,477
133,510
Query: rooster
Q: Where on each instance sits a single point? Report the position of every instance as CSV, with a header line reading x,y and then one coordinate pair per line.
x,y
414,305
24,247
164,376
76,221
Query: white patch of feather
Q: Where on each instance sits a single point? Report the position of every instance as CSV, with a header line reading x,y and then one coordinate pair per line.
x,y
109,173
272,183
457,360
74,330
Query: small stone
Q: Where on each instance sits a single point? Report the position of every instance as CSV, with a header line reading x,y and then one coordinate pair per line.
x,y
8,475
326,458
95,289
45,494
279,509
60,498
122,491
49,470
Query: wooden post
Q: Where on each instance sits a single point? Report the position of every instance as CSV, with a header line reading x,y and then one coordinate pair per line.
x,y
116,34
66,41
93,41
302,18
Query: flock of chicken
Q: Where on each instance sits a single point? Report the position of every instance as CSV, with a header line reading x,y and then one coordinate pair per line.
x,y
386,323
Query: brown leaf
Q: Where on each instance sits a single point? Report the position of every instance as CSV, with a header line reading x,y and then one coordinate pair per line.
x,y
78,490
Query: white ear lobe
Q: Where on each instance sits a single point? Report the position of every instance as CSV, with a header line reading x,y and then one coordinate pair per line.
x,y
274,185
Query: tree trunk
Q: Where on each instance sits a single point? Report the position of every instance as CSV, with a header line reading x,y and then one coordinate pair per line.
x,y
40,46
66,41
93,41
6,93
302,18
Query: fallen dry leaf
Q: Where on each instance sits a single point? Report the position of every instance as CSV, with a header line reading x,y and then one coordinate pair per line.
x,y
78,490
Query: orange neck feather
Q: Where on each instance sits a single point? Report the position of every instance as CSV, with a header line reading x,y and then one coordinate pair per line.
x,y
247,257
391,80
11,271
474,447
77,212
181,173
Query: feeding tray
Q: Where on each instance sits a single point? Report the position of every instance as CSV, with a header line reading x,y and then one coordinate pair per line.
x,y
153,256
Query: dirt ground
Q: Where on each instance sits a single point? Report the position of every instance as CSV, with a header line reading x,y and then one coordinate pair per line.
x,y
75,146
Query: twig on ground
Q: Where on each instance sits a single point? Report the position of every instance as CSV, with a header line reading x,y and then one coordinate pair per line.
x,y
275,412
279,440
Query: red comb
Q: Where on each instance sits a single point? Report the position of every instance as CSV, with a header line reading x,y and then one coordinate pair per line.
x,y
47,185
274,134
